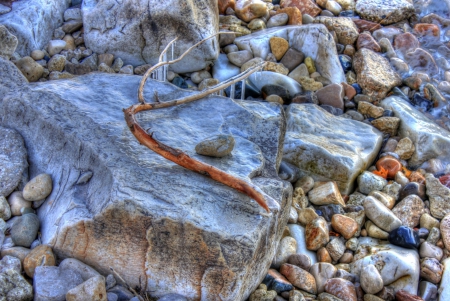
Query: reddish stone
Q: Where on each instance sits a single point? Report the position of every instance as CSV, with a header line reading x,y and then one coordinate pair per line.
x,y
406,42
305,6
341,288
349,91
365,40
389,166
421,60
364,25
445,180
402,295
423,29
295,15
224,4
417,177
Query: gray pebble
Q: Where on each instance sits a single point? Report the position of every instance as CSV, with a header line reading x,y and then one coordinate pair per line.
x,y
25,229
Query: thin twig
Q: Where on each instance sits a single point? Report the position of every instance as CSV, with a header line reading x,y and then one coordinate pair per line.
x,y
160,63
128,287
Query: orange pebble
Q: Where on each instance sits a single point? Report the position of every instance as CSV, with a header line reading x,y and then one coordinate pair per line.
x,y
417,177
424,29
388,165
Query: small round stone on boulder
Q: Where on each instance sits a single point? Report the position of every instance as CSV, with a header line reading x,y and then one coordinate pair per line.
x,y
24,230
38,188
217,146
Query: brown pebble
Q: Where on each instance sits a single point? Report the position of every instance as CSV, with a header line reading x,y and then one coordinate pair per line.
x,y
402,295
323,255
40,256
341,288
344,225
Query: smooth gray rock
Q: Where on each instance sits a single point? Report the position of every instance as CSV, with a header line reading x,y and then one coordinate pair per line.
x,y
399,267
260,79
380,215
223,69
25,229
430,140
13,161
8,43
50,283
136,202
217,146
33,22
312,40
329,148
138,31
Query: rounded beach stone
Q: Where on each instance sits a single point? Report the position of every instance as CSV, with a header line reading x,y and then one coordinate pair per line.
x,y
38,188
17,202
56,63
278,46
404,237
431,270
91,289
299,278
25,229
429,250
370,279
344,225
306,183
42,255
409,210
239,58
368,182
198,76
405,148
287,247
380,215
316,234
445,230
341,288
323,255
217,146
278,20
30,69
300,260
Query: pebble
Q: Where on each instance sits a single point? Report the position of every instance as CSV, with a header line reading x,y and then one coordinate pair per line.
x,y
42,255
30,69
306,183
56,63
370,279
404,237
428,291
431,270
91,289
344,225
316,234
387,125
292,58
5,210
38,188
322,272
305,216
301,260
299,278
413,188
277,282
368,182
333,7
326,194
341,288
25,229
278,20
262,294
336,249
239,58
409,210
37,54
366,108
286,248
374,231
384,198
55,47
217,146
428,222
332,95
323,255
278,46
380,215
429,250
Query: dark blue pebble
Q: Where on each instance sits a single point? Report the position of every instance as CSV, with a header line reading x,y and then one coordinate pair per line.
x,y
347,13
357,88
404,237
330,210
179,82
277,284
346,62
47,58
319,212
388,113
421,102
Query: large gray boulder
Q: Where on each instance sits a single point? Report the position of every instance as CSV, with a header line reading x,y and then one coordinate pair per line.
x,y
13,161
327,147
430,140
137,31
117,204
313,40
33,22
11,77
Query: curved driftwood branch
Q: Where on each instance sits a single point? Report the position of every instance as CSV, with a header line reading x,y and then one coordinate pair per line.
x,y
177,156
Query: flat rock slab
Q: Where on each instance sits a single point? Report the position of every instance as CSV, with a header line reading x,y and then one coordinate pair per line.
x,y
13,160
157,224
313,40
33,22
430,140
329,148
137,31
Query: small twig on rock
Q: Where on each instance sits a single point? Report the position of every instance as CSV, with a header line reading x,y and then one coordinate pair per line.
x,y
124,282
177,156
